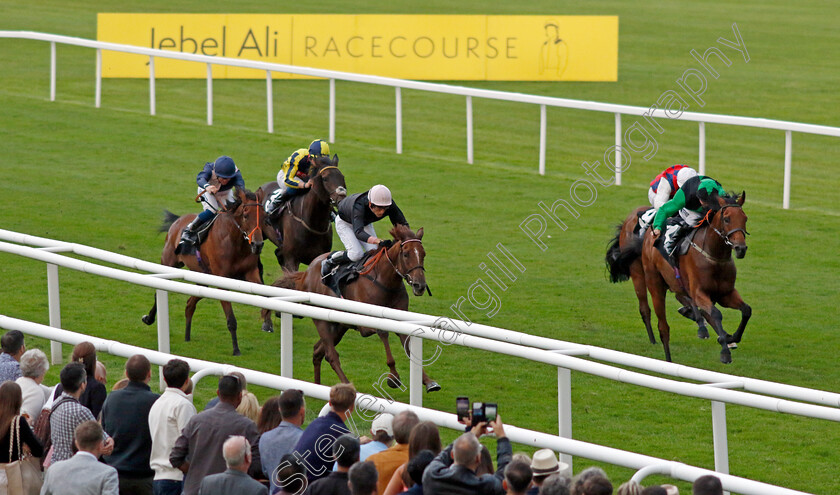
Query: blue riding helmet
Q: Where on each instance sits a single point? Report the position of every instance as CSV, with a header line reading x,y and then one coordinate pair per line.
x,y
224,167
319,147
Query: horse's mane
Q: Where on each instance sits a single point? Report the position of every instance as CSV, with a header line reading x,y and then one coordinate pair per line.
x,y
729,198
402,233
323,161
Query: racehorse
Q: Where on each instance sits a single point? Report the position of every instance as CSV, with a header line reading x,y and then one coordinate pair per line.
x,y
232,249
380,283
707,271
631,269
304,229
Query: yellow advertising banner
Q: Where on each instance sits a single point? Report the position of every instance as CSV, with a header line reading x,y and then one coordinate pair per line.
x,y
426,47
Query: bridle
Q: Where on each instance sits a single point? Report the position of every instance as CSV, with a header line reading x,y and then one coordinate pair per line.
x,y
725,235
394,265
248,236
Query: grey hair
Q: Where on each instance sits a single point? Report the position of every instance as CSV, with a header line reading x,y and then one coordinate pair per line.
x,y
466,449
34,363
234,450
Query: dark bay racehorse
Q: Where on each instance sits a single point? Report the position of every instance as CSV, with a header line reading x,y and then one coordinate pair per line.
x,y
304,230
232,249
381,283
707,271
631,269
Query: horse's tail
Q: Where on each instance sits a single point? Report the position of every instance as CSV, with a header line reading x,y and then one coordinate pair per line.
x,y
168,219
619,259
290,280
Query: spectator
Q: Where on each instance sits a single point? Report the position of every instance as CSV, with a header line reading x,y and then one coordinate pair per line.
x,y
424,436
237,454
517,478
33,367
95,392
82,473
485,466
291,476
167,417
543,465
389,460
591,481
556,484
270,417
362,479
655,490
198,451
249,407
707,485
13,348
121,384
215,400
671,489
382,435
444,477
521,457
125,416
346,453
276,443
101,373
67,413
629,488
311,448
416,467
10,401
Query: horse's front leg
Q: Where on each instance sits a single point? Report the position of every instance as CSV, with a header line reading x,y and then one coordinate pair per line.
x,y
733,300
188,313
394,378
693,314
431,385
231,324
330,335
714,317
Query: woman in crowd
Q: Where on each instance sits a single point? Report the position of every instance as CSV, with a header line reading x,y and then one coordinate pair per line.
x,y
94,395
33,367
424,436
10,401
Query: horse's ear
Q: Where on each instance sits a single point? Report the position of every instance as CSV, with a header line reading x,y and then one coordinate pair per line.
x,y
420,233
742,197
335,160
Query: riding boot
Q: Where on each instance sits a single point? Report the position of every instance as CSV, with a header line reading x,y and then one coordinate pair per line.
x,y
329,267
644,221
277,205
189,237
672,235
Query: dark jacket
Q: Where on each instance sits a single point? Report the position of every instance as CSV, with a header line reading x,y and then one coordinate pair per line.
x,y
316,452
444,478
334,484
92,398
125,417
356,211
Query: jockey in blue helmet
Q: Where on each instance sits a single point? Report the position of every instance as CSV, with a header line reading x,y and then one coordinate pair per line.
x,y
216,183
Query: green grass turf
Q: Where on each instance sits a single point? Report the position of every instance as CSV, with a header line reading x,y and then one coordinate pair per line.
x,y
102,177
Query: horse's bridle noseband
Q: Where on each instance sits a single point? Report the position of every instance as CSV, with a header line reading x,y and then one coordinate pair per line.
x,y
248,236
405,275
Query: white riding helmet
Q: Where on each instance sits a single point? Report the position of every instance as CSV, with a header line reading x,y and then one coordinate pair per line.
x,y
380,195
684,174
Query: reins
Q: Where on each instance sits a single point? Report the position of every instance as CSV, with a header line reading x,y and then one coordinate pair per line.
x,y
373,261
723,235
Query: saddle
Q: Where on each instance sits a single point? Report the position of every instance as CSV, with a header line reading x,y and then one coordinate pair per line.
x,y
201,236
349,272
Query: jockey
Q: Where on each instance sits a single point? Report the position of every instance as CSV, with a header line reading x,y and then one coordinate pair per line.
x,y
319,147
662,189
354,224
689,202
293,179
216,182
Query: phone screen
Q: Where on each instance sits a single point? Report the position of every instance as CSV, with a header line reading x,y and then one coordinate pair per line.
x,y
478,413
490,411
462,407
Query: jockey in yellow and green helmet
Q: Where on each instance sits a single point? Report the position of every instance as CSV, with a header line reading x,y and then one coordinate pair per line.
x,y
293,177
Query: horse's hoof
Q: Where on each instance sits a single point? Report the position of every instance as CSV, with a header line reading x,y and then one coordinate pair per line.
x,y
394,382
725,357
432,387
268,328
147,320
702,333
653,341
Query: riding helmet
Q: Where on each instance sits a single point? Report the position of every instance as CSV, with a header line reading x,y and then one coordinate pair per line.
x,y
380,195
224,167
319,147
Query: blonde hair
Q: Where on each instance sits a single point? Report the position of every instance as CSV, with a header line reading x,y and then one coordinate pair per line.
x,y
249,407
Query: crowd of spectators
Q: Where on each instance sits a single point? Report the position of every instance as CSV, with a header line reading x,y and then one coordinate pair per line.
x,y
135,441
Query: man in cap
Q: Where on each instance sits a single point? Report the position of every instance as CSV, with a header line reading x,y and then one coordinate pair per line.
x,y
543,465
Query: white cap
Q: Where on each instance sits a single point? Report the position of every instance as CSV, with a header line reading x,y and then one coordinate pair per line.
x,y
684,174
380,195
383,422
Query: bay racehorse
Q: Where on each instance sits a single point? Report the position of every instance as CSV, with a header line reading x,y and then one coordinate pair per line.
x,y
232,249
380,283
626,265
707,271
304,229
